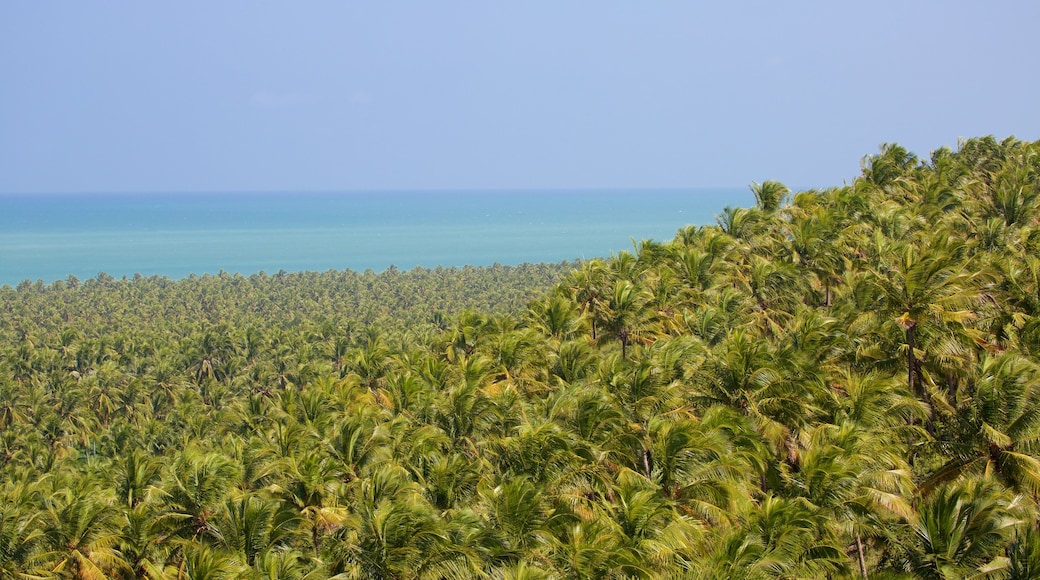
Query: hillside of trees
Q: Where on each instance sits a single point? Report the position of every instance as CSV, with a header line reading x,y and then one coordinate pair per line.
x,y
835,383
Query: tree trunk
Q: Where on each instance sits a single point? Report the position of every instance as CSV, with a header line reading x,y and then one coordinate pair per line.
x,y
911,360
862,558
913,371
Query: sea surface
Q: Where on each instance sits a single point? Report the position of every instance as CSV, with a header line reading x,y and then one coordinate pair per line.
x,y
52,236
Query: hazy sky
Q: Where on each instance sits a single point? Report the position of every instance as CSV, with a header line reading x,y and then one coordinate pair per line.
x,y
339,95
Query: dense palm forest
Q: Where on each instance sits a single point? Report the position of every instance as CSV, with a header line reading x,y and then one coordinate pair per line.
x,y
831,384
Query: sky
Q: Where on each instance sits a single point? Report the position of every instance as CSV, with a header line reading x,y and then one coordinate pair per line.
x,y
255,95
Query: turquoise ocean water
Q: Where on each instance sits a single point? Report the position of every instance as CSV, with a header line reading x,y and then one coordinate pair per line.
x,y
51,236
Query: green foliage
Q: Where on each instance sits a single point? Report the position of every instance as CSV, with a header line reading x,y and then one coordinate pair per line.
x,y
835,383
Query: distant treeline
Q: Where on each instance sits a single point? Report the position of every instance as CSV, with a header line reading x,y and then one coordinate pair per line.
x,y
349,300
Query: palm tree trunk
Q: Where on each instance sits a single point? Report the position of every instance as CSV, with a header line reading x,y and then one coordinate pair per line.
x,y
862,557
914,371
911,361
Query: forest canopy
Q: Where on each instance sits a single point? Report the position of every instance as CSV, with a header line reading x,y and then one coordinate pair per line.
x,y
832,383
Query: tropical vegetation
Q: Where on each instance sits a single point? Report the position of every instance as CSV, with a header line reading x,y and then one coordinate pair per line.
x,y
834,383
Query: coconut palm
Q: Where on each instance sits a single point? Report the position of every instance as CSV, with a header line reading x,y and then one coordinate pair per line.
x,y
929,289
288,565
194,487
889,164
624,315
521,513
204,563
312,486
813,240
392,532
21,537
1023,553
81,534
742,224
253,527
555,316
698,465
770,195
143,540
794,540
748,375
734,553
996,431
588,288
858,478
134,475
517,354
357,440
961,530
450,480
648,528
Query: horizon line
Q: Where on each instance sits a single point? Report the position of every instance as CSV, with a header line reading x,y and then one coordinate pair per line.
x,y
493,190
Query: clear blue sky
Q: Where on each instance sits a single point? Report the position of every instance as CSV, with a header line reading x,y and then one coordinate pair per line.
x,y
340,95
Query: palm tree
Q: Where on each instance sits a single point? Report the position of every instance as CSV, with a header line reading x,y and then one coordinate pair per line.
x,y
142,540
288,565
961,529
357,440
774,286
770,195
698,465
253,527
648,528
872,401
734,553
624,314
450,480
20,534
587,287
81,534
134,476
465,408
858,478
996,430
1012,190
522,570
469,328
392,532
518,354
793,540
555,316
204,563
597,426
813,240
312,487
740,223
933,288
747,374
194,487
520,512
891,163
1023,553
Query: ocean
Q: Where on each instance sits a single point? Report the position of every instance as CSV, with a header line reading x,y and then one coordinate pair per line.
x,y
52,236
